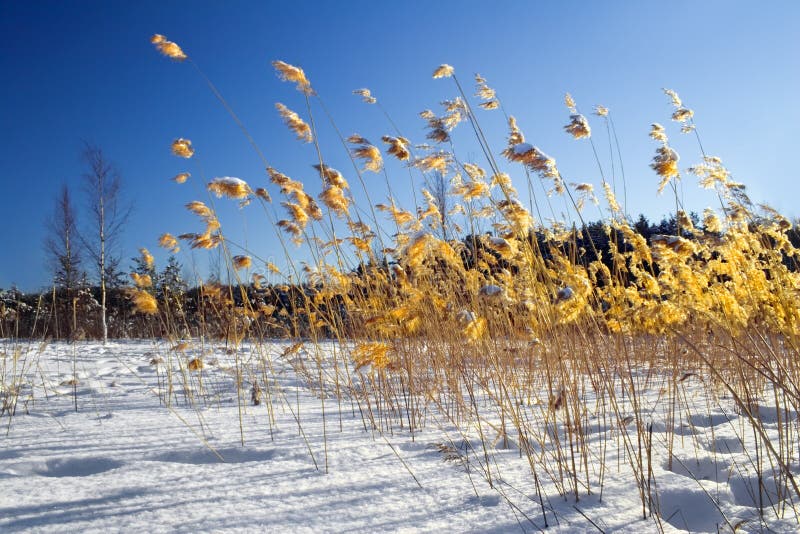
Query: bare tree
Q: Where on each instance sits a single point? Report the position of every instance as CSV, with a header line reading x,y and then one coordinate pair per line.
x,y
62,245
102,184
440,188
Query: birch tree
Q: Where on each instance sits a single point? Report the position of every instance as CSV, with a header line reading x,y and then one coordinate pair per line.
x,y
103,185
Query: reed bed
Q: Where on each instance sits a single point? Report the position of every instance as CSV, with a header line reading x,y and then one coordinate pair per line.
x,y
528,335
568,346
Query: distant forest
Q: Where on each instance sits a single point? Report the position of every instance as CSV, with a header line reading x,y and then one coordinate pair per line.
x,y
70,310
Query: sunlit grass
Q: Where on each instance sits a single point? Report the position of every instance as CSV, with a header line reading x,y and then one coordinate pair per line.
x,y
526,334
526,337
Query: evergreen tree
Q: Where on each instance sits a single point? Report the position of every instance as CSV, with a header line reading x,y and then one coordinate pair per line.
x,y
141,268
170,281
61,244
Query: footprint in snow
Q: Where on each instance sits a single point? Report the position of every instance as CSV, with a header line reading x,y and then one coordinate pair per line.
x,y
689,509
726,445
749,491
206,456
705,468
706,421
64,467
8,454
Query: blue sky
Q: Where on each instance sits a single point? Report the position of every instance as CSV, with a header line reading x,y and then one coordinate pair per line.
x,y
75,71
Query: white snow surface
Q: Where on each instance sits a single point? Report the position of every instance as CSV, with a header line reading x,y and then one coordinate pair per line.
x,y
523,148
126,462
230,181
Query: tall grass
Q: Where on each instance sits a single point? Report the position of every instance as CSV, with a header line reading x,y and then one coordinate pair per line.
x,y
527,337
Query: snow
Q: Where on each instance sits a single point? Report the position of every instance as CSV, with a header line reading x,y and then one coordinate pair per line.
x,y
229,181
466,316
490,291
565,293
125,461
523,148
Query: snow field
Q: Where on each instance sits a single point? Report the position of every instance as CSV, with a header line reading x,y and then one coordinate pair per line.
x,y
128,461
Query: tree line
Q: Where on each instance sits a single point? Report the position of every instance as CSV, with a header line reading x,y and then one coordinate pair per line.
x,y
89,295
77,307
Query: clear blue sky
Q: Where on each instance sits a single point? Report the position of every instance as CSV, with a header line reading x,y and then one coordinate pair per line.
x,y
81,70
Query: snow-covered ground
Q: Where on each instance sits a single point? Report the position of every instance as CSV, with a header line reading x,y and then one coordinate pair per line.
x,y
127,461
